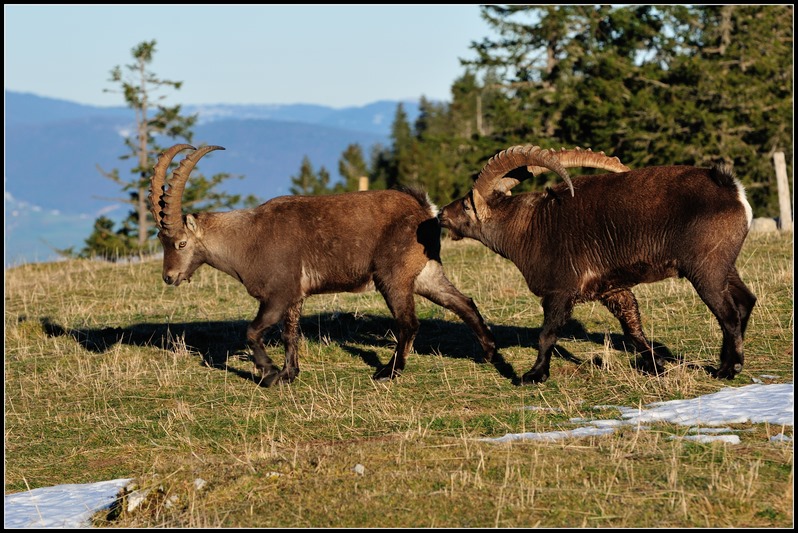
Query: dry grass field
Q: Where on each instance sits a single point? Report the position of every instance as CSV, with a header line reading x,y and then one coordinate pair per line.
x,y
110,373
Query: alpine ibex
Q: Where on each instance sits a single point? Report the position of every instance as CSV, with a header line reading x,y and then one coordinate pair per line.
x,y
607,233
291,247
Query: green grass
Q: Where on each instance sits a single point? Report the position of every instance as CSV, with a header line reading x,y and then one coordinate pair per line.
x,y
110,373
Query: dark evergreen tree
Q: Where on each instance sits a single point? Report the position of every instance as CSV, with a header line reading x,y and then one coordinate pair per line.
x,y
651,84
732,95
324,181
466,111
380,163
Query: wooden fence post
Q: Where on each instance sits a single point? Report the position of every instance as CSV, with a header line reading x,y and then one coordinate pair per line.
x,y
785,208
363,183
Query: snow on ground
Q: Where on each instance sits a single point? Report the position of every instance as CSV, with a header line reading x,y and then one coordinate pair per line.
x,y
755,403
71,506
62,506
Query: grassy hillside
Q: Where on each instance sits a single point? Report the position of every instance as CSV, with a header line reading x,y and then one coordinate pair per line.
x,y
110,373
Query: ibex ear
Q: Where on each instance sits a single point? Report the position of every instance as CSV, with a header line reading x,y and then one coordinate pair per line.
x,y
480,205
193,226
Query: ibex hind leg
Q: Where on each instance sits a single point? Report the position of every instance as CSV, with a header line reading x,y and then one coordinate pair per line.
x,y
623,306
268,315
291,343
404,312
433,285
717,293
744,299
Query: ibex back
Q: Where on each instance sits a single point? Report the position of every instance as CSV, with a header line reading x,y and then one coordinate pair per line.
x,y
292,247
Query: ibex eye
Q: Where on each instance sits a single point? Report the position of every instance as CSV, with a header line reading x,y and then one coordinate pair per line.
x,y
181,244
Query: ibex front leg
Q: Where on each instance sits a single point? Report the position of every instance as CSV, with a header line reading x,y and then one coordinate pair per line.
x,y
557,309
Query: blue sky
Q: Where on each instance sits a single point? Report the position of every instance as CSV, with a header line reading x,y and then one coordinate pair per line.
x,y
338,56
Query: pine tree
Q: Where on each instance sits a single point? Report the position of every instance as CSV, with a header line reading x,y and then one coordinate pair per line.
x,y
664,84
307,182
380,164
733,93
107,243
651,84
140,89
401,170
352,166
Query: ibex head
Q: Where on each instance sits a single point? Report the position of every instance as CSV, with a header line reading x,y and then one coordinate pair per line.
x,y
180,236
467,216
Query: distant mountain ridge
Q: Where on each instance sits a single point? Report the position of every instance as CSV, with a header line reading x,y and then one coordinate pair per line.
x,y
373,118
27,108
54,149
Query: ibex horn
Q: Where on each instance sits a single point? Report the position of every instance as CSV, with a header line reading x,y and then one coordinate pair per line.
x,y
173,195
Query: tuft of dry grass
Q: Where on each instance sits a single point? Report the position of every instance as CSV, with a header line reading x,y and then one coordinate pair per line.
x,y
110,373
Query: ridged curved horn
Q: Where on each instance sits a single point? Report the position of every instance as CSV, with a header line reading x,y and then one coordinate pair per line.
x,y
570,158
158,179
173,196
577,157
490,178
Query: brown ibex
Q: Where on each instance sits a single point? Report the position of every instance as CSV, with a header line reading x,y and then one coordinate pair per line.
x,y
610,232
291,247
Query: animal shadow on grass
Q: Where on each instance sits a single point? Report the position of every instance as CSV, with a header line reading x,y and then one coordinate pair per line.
x,y
573,330
217,341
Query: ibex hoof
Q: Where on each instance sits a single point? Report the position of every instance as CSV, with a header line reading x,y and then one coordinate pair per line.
x,y
652,367
265,376
487,357
534,377
287,376
728,372
386,373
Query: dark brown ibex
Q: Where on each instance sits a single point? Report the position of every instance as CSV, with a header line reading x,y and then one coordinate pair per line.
x,y
609,233
292,247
